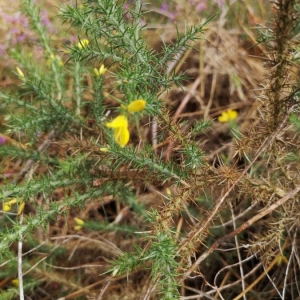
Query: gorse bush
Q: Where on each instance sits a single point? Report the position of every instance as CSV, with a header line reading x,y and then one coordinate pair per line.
x,y
88,126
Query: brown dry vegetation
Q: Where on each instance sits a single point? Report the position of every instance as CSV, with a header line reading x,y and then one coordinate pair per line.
x,y
224,72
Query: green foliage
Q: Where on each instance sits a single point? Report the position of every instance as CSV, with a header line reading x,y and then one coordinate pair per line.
x,y
295,121
66,159
44,106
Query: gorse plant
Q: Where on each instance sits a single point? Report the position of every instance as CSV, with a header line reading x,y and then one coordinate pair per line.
x,y
89,126
48,110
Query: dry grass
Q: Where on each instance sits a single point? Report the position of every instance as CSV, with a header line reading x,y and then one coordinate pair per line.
x,y
223,72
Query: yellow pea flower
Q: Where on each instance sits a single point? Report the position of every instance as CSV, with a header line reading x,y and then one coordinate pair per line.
x,y
136,105
122,136
96,72
117,122
102,70
15,282
120,123
79,223
21,208
7,204
104,149
168,192
20,74
121,132
227,116
83,44
99,72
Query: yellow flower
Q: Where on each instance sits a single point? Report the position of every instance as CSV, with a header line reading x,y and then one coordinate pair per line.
x,y
7,205
79,223
20,73
15,282
21,208
96,72
168,192
136,105
83,44
104,149
122,136
227,116
120,123
117,122
121,132
100,71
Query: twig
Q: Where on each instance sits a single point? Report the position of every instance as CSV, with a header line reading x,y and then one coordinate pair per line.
x,y
36,264
199,295
74,268
247,224
237,217
187,98
273,283
31,250
150,290
154,133
41,260
184,102
275,260
233,283
103,290
107,245
211,95
238,252
288,266
20,273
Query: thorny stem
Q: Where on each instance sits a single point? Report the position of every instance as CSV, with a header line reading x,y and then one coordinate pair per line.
x,y
232,234
283,29
203,225
77,88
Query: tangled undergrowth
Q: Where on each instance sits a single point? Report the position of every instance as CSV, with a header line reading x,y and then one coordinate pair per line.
x,y
144,157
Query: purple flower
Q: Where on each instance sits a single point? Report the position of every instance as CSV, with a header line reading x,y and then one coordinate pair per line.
x,y
2,140
220,3
18,27
164,7
45,20
21,37
200,6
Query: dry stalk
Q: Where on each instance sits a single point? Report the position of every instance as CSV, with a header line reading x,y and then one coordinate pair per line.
x,y
247,224
202,226
275,260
